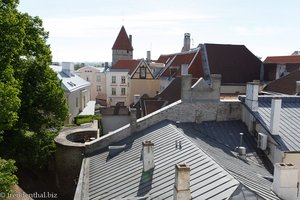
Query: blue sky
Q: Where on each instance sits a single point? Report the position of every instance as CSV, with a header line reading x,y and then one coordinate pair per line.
x,y
86,30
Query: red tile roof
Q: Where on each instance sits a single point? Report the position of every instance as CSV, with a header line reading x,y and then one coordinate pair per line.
x,y
126,64
283,59
165,58
192,58
235,63
122,42
284,85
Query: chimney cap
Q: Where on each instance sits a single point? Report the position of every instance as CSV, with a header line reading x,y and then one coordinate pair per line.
x,y
183,166
147,143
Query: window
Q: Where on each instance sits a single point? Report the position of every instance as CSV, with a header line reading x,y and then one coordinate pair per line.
x,y
123,80
98,88
142,72
123,91
113,79
87,78
76,102
98,78
113,91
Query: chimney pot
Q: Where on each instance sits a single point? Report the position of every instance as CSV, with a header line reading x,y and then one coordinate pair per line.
x,y
182,182
148,155
275,115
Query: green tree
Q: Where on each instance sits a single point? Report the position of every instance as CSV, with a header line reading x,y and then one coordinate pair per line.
x,y
31,98
10,45
7,177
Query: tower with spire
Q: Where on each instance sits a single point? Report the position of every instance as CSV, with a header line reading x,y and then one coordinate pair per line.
x,y
122,48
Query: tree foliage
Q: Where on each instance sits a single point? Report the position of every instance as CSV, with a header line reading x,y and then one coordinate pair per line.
x,y
31,99
7,177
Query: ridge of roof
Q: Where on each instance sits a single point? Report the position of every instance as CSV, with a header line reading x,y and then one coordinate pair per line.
x,y
122,41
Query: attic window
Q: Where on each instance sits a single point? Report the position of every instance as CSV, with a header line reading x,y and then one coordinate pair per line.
x,y
143,72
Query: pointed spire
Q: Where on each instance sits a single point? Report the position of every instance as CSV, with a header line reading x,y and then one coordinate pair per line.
x,y
122,41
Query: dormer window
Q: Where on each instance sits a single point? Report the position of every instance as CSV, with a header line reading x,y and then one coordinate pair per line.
x,y
143,72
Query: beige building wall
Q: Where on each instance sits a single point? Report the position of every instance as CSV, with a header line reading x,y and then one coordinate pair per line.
x,y
143,86
97,78
77,101
113,99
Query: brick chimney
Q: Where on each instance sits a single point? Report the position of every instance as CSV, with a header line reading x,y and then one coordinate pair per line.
x,y
182,182
68,68
285,181
252,95
275,115
148,155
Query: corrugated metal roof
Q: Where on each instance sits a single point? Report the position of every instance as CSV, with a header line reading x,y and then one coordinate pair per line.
x,y
121,176
70,83
289,136
219,140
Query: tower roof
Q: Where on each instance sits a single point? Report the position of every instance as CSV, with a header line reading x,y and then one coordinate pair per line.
x,y
122,41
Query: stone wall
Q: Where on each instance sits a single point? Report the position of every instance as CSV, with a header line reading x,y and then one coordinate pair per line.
x,y
69,155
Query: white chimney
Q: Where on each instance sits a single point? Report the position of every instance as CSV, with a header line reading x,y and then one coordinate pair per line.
x,y
297,87
136,98
187,42
275,115
148,155
68,68
186,84
252,96
148,56
130,39
285,181
182,182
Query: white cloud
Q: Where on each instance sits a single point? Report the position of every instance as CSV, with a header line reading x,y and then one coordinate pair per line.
x,y
258,31
92,26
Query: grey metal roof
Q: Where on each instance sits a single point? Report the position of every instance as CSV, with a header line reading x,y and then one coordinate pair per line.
x,y
289,135
70,83
219,140
209,149
121,176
